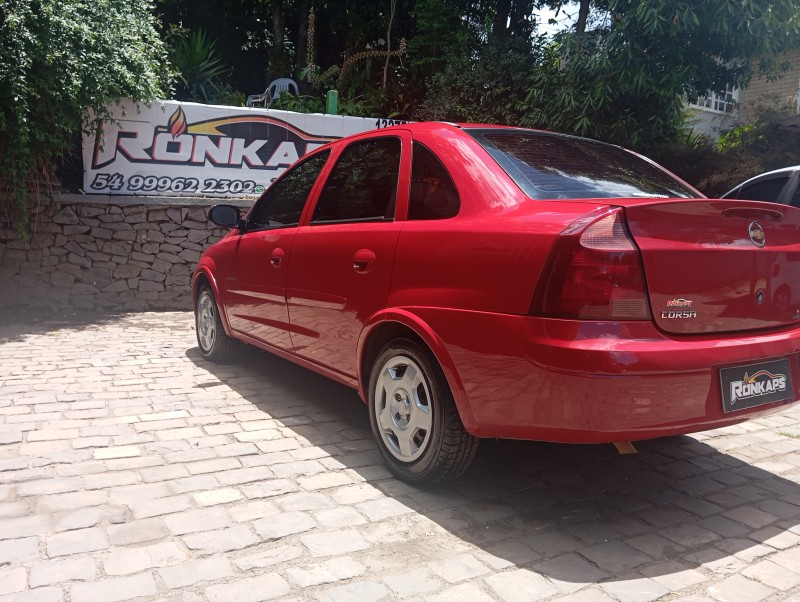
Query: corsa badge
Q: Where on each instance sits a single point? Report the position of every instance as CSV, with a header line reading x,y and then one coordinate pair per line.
x,y
757,236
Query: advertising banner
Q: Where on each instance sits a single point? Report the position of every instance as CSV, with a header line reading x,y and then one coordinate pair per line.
x,y
186,149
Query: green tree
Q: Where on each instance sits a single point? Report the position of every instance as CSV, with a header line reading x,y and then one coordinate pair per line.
x,y
59,59
623,80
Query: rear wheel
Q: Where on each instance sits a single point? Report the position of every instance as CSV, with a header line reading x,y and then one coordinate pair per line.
x,y
214,344
414,418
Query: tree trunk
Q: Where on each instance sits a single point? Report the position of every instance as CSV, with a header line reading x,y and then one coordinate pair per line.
x,y
277,55
583,15
500,23
303,7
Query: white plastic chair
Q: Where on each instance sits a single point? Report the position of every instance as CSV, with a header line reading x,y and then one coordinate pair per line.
x,y
273,92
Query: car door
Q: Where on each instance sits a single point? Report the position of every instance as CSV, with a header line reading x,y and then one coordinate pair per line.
x,y
342,261
256,284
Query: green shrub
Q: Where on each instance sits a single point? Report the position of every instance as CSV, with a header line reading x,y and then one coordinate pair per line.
x,y
60,59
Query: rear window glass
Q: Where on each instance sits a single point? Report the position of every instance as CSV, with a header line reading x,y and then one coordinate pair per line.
x,y
553,166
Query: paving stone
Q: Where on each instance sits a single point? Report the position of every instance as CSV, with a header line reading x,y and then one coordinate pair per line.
x,y
49,486
70,501
674,576
614,556
79,519
281,525
305,502
752,517
329,571
458,568
461,593
137,531
570,572
160,506
17,551
268,488
217,496
325,481
380,509
14,509
41,594
333,543
739,588
115,589
339,517
121,451
52,572
773,575
269,557
520,585
13,580
134,560
252,510
249,589
635,590
224,540
195,571
363,590
76,542
192,521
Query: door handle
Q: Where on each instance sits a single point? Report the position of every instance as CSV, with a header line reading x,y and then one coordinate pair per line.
x,y
363,261
276,259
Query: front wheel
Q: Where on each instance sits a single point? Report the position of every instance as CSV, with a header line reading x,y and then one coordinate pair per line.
x,y
414,418
214,344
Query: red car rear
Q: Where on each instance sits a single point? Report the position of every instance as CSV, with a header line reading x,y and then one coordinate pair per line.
x,y
480,281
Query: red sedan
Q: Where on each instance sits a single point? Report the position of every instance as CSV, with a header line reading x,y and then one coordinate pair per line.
x,y
478,281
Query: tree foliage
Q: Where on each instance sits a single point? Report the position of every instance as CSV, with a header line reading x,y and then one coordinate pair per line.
x,y
58,59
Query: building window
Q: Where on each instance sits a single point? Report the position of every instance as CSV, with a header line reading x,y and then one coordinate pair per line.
x,y
716,102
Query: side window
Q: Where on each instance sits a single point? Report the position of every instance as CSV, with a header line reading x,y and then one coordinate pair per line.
x,y
363,183
282,204
765,190
433,193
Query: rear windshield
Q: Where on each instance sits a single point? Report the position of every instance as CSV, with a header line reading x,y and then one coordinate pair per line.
x,y
554,166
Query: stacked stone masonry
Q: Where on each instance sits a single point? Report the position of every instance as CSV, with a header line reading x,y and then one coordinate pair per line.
x,y
129,257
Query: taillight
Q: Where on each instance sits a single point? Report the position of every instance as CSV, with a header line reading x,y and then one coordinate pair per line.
x,y
594,272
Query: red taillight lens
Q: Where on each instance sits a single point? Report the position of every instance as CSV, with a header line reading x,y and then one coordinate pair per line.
x,y
594,272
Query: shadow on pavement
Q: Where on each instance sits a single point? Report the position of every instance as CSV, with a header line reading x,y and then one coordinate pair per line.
x,y
676,505
18,322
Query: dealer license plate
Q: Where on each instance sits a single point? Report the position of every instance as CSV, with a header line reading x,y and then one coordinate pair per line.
x,y
756,384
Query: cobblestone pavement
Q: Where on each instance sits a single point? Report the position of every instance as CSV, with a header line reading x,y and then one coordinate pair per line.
x,y
130,468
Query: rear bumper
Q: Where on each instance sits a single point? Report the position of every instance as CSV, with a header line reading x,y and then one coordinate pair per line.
x,y
588,382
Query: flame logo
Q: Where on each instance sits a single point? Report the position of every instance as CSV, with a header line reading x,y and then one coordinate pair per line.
x,y
177,123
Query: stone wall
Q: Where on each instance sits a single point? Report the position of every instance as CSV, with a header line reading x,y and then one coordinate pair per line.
x,y
115,253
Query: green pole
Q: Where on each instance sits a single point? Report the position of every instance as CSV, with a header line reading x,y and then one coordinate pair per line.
x,y
332,102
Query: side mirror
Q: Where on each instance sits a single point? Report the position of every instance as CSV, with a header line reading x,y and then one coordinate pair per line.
x,y
226,216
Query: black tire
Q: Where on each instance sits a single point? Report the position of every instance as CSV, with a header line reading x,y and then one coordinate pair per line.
x,y
416,424
214,344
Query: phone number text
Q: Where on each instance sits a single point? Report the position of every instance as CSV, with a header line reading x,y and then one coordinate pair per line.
x,y
116,182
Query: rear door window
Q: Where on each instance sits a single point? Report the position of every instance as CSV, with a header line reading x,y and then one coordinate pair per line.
x,y
362,186
433,192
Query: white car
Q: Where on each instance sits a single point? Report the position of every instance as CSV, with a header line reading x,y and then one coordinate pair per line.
x,y
779,186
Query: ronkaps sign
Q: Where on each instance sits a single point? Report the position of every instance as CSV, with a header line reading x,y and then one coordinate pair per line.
x,y
181,148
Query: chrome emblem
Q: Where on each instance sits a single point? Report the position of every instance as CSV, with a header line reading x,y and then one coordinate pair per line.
x,y
757,236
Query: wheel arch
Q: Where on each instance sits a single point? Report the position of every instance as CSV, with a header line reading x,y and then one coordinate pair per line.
x,y
393,324
204,276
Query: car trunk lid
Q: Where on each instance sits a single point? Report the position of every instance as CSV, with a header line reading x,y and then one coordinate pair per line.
x,y
716,266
